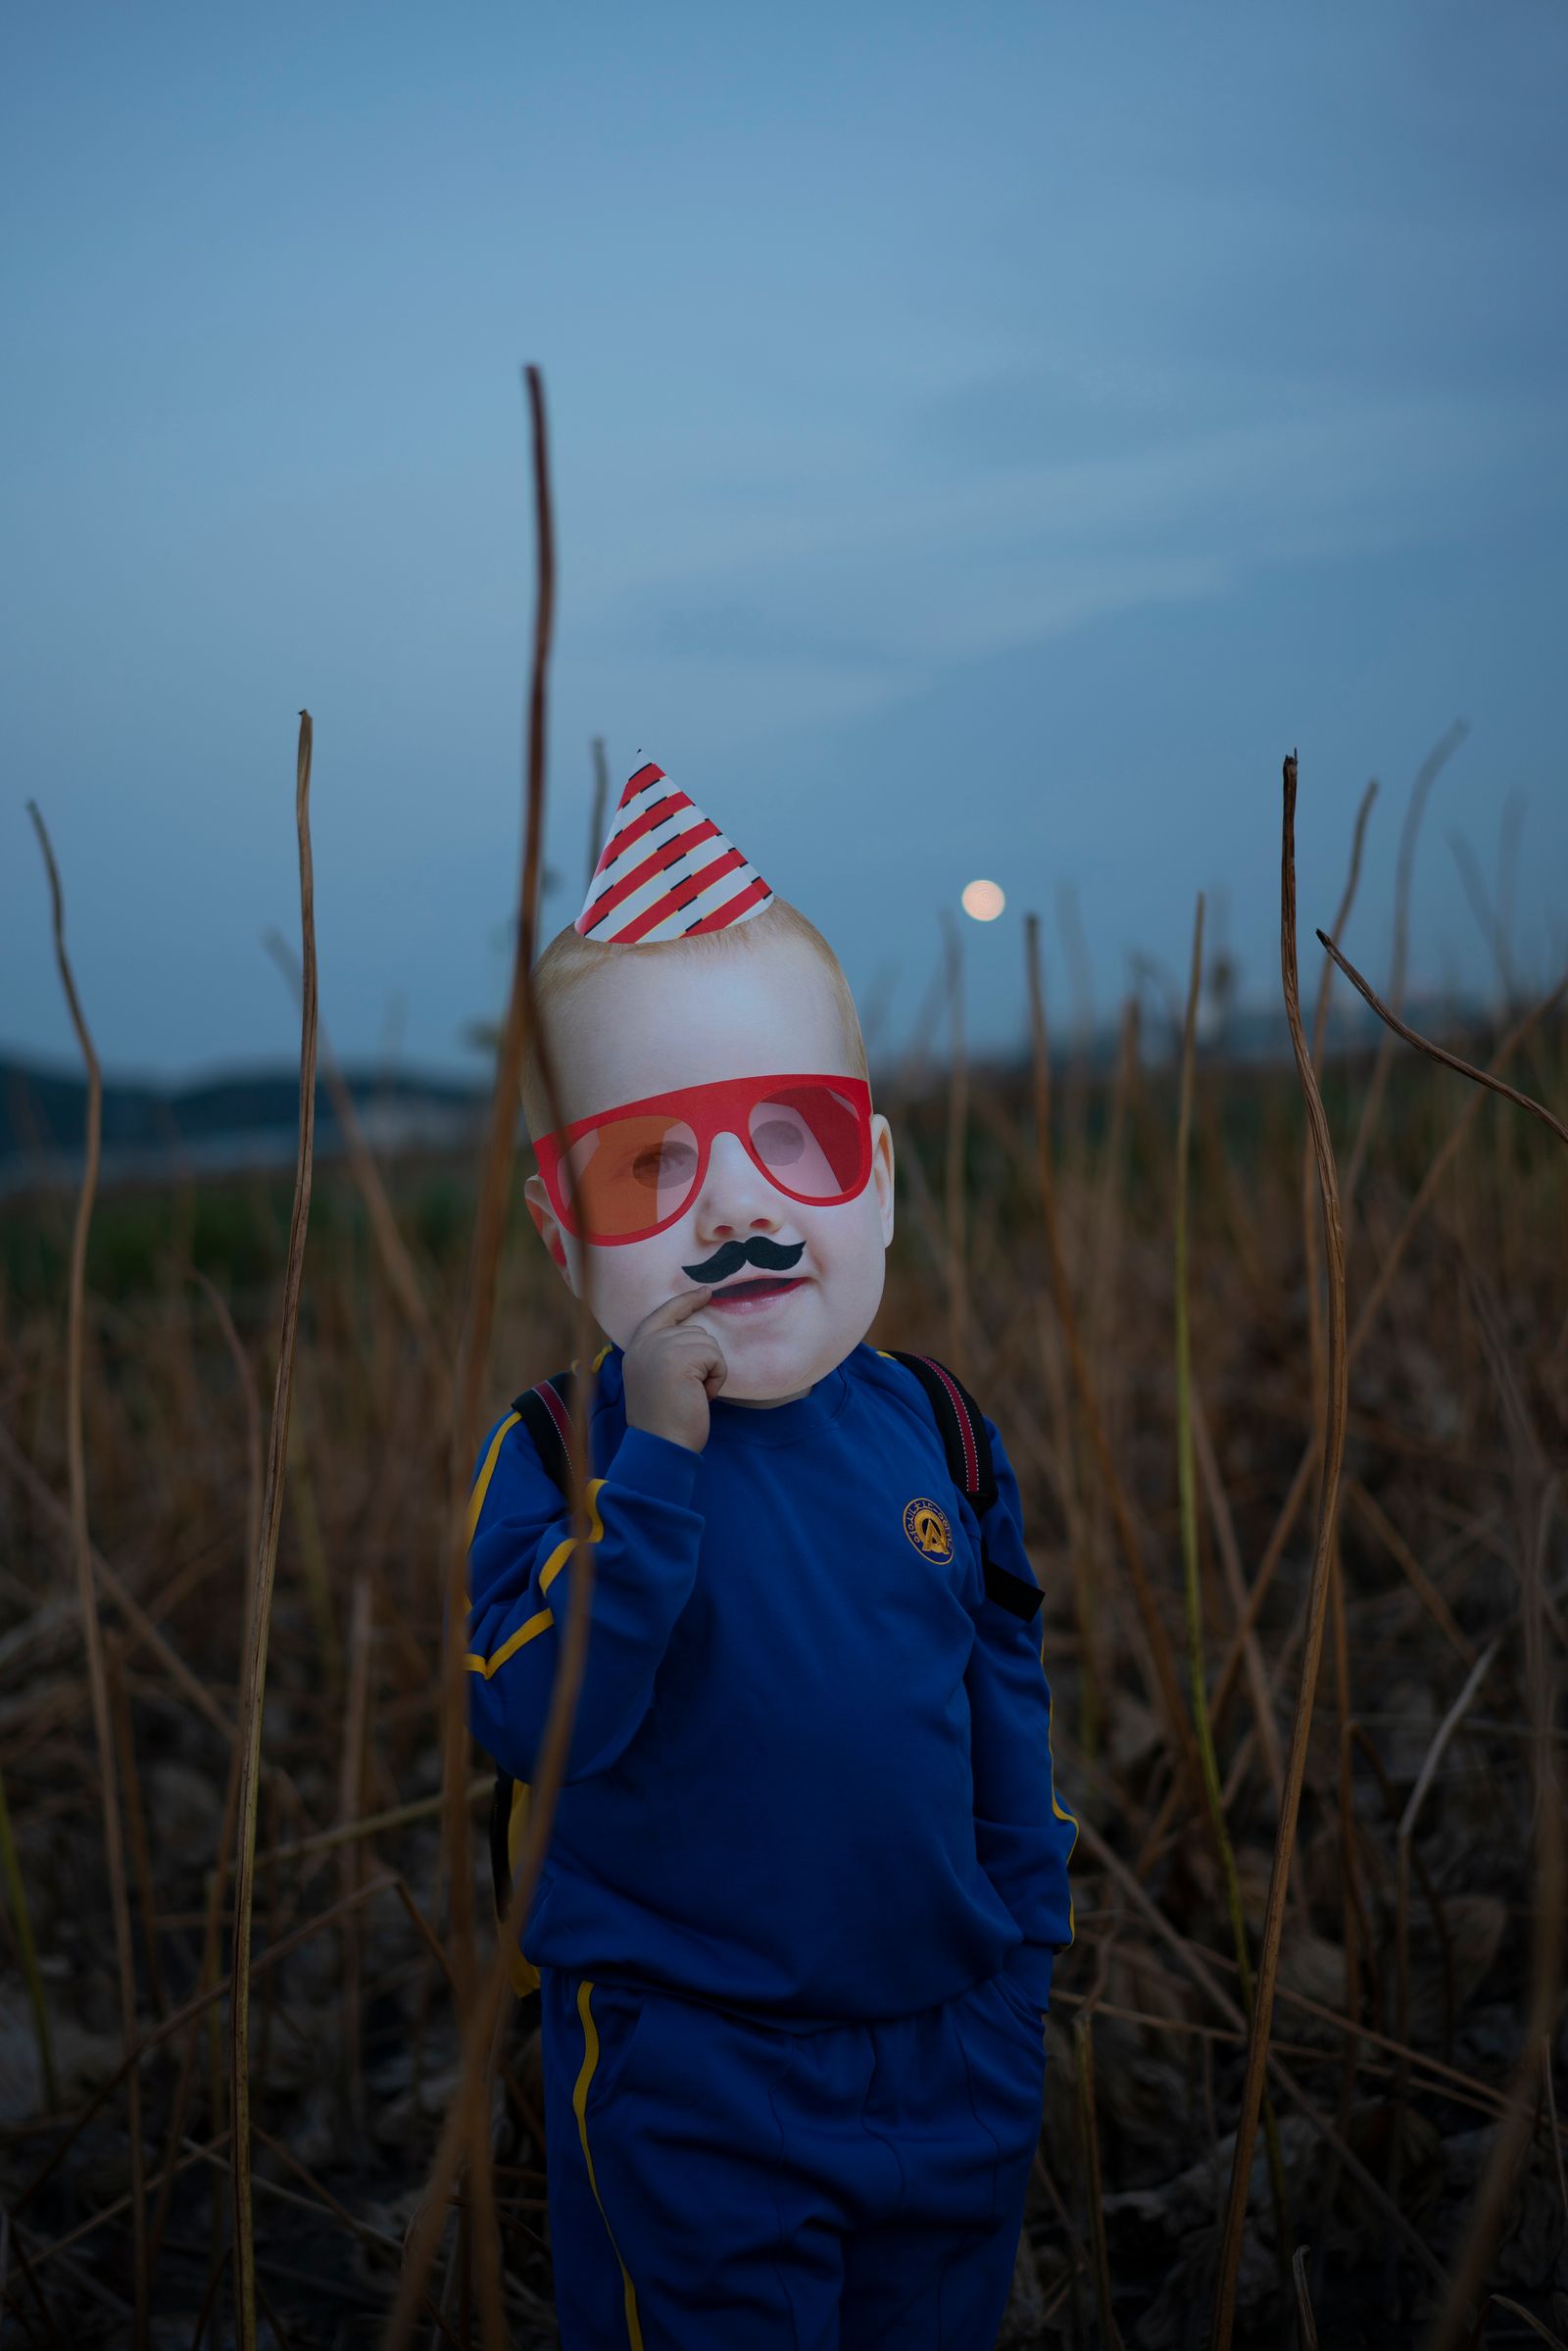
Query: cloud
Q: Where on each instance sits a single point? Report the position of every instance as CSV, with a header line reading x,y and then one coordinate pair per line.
x,y
853,600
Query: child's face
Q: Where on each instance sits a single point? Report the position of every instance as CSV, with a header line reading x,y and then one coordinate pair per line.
x,y
648,1024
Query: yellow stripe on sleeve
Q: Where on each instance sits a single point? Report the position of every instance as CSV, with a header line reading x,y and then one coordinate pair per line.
x,y
543,1618
487,1470
1059,1810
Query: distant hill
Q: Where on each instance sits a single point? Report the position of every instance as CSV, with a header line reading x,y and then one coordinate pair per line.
x,y
236,1119
241,1118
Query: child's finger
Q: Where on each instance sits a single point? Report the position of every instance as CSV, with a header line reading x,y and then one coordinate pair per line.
x,y
674,1309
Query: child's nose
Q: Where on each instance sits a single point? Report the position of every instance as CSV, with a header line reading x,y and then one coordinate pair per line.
x,y
736,1197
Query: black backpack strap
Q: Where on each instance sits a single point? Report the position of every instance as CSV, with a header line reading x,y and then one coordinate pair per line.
x,y
546,1413
962,1425
970,1466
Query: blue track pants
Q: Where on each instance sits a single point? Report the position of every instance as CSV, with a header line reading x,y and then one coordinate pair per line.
x,y
718,2184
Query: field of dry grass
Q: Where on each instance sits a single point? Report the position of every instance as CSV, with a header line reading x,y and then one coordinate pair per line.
x,y
1290,1419
1405,1968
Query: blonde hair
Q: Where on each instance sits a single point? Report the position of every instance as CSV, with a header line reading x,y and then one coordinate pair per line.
x,y
569,957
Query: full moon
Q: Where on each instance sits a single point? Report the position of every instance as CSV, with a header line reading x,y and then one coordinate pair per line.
x,y
983,899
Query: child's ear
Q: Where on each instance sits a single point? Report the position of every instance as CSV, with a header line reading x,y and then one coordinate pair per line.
x,y
546,1224
882,1172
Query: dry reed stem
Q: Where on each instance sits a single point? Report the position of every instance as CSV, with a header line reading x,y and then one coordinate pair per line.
x,y
86,1597
1365,1319
473,1349
466,2127
1486,922
1320,1022
1104,1282
1516,2310
469,2113
114,1590
1344,1701
1426,776
376,2240
1089,2148
252,1684
1197,1964
1230,1557
1333,1449
391,1247
350,1798
254,1484
1437,1052
1465,2089
1490,2209
370,1824
1306,2323
208,1963
1187,1491
136,1820
314,1572
111,2211
1357,1738
1376,1291
251,1396
193,2008
1415,1575
1402,1910
551,1764
1166,1691
1551,2116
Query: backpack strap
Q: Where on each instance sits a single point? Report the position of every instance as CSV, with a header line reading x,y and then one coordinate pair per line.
x,y
963,1427
546,1413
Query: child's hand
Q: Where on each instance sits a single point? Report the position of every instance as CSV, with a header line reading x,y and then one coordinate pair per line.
x,y
672,1368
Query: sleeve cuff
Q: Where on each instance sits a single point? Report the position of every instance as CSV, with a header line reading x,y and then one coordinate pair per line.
x,y
655,1465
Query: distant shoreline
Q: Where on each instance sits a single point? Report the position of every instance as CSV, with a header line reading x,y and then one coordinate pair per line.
x,y
241,1119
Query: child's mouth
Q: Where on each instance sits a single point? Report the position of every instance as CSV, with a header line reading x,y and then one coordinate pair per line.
x,y
754,1297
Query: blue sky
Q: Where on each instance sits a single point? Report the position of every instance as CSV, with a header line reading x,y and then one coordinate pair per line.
x,y
984,442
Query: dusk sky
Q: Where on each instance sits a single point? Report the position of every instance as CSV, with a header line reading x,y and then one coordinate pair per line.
x,y
984,442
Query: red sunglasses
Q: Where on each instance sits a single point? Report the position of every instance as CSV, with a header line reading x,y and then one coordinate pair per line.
x,y
630,1172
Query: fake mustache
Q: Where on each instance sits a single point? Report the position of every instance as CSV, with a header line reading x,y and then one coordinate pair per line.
x,y
772,1256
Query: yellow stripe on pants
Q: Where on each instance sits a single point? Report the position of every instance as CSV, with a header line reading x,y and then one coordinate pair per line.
x,y
580,2100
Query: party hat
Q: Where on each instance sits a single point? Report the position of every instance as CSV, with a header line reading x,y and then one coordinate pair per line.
x,y
667,870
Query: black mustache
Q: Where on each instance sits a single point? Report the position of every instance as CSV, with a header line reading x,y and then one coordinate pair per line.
x,y
773,1256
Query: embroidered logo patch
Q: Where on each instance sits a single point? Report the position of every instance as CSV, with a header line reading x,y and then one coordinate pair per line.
x,y
929,1529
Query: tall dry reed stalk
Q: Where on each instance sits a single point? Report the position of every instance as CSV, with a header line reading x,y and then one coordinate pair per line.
x,y
253,1683
1186,1494
86,1597
467,2130
1165,1688
1331,1453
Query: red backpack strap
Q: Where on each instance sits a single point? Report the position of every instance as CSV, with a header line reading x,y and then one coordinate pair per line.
x,y
970,1466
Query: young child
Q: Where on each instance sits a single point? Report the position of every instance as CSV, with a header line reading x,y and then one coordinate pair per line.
x,y
807,1873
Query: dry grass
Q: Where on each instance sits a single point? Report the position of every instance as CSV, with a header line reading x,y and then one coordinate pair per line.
x,y
1345,1912
1407,2008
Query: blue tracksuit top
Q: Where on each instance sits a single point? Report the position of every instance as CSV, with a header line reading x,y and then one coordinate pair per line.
x,y
809,1775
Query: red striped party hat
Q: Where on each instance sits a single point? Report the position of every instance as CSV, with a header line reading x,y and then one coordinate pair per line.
x,y
667,870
